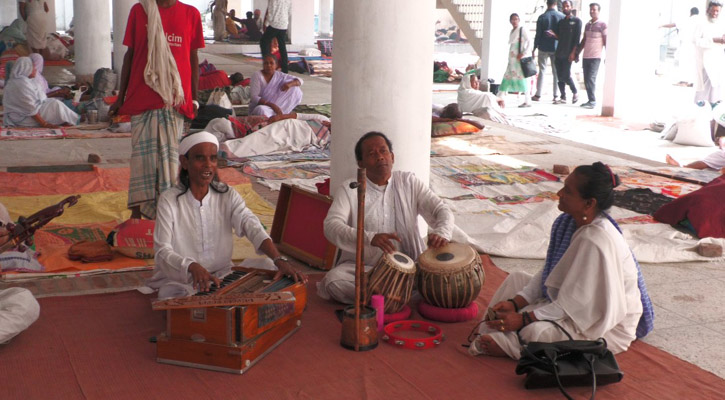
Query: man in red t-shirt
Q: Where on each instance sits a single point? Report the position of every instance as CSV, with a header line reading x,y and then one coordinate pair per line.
x,y
157,128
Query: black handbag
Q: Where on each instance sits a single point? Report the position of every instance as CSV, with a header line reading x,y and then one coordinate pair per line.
x,y
527,63
568,363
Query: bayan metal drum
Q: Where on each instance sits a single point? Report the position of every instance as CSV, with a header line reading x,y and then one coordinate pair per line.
x,y
450,276
394,278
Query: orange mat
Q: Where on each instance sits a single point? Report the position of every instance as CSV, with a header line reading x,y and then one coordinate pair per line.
x,y
98,180
58,63
101,208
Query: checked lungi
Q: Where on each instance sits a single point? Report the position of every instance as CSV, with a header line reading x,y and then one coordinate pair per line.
x,y
154,157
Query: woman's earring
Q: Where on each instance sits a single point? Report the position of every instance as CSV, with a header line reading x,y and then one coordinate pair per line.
x,y
584,218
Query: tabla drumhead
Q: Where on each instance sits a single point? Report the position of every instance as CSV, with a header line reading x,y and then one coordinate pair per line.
x,y
400,261
452,256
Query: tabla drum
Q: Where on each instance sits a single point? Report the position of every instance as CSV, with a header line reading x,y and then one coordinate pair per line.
x,y
450,276
394,278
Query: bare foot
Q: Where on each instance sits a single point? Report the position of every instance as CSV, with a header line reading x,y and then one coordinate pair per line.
x,y
489,347
672,161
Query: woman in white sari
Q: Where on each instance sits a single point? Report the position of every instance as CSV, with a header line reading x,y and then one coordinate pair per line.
x,y
471,99
273,92
26,105
590,285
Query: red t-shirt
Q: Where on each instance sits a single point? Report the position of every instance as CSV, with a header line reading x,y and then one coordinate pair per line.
x,y
182,25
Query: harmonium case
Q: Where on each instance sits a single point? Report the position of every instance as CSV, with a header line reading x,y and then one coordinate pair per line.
x,y
233,326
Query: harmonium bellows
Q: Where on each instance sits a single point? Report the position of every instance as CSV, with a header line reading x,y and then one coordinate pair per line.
x,y
233,326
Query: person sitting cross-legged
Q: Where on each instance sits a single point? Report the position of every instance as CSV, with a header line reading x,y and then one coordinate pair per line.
x,y
195,220
394,200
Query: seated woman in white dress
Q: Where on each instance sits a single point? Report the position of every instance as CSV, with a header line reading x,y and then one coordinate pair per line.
x,y
591,284
273,92
27,106
470,98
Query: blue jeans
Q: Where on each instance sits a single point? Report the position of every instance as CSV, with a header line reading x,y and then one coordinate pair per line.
x,y
591,69
542,59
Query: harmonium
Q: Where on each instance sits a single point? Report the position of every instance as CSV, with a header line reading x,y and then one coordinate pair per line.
x,y
234,325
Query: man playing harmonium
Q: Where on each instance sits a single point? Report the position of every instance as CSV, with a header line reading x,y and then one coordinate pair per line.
x,y
194,225
393,201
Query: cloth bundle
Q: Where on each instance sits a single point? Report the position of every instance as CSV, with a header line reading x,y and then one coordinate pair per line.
x,y
88,252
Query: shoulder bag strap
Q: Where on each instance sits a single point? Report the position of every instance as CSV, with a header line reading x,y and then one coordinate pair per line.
x,y
521,30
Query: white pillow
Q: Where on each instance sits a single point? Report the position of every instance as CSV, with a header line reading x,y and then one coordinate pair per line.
x,y
694,130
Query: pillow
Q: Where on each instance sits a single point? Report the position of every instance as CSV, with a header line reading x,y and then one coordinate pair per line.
x,y
440,129
694,130
134,238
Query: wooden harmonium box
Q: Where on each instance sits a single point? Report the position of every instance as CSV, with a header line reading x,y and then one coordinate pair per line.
x,y
234,325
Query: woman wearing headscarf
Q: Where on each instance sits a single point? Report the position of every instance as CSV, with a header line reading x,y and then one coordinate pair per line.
x,y
26,105
39,79
591,284
274,92
470,98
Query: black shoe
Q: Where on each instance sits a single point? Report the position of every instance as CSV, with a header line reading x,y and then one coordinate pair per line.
x,y
340,314
574,98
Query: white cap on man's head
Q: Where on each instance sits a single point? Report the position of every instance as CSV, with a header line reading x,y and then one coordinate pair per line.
x,y
189,141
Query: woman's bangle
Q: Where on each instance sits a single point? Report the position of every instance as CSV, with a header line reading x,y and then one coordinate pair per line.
x,y
516,306
525,318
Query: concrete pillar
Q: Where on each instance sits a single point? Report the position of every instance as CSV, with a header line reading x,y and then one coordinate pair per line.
x,y
496,28
302,23
324,14
382,82
121,9
92,37
261,4
630,64
8,12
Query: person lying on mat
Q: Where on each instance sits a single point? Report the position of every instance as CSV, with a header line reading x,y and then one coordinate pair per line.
x,y
274,92
591,284
394,200
195,222
451,113
28,106
18,307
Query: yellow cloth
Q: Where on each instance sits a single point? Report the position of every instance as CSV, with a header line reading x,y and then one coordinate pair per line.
x,y
231,27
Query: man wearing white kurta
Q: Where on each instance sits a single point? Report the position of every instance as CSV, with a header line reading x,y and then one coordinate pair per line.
x,y
194,224
709,57
393,201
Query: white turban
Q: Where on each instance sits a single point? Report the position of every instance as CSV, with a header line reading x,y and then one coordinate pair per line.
x,y
189,141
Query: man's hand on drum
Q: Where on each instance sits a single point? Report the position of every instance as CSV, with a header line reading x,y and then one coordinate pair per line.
x,y
384,241
436,241
201,278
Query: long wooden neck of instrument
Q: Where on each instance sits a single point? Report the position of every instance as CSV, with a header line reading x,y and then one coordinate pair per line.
x,y
359,250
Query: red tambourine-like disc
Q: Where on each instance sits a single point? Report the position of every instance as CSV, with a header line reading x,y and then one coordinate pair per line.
x,y
392,334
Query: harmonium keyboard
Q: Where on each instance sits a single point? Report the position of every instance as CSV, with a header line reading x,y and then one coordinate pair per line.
x,y
232,326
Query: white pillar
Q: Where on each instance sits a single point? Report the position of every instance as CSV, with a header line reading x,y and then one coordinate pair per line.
x,y
630,64
92,37
261,4
302,23
496,28
8,12
382,81
121,9
324,22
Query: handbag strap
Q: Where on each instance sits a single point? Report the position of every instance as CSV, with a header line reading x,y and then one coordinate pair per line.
x,y
521,30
